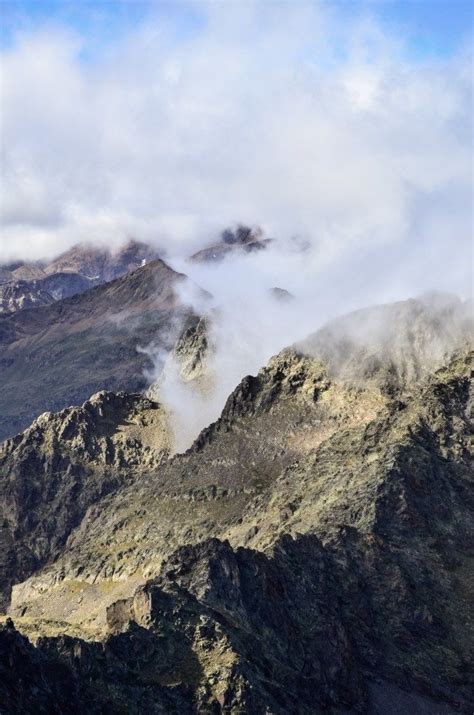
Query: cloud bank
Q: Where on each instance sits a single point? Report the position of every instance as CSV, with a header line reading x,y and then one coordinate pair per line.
x,y
266,113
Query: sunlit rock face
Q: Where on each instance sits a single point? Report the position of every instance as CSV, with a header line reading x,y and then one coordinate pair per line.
x,y
63,464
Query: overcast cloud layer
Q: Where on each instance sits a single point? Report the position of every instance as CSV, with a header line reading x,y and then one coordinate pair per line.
x,y
270,114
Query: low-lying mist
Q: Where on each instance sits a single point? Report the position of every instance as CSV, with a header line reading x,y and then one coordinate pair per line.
x,y
248,322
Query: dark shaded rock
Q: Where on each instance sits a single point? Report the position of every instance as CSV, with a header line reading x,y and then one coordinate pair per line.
x,y
67,676
282,295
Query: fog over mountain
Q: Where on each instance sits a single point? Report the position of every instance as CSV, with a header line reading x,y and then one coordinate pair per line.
x,y
246,324
332,138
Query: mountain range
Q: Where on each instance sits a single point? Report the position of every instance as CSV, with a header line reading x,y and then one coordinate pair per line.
x,y
26,284
311,552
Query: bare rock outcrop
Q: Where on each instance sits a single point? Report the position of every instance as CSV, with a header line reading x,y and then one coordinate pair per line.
x,y
61,465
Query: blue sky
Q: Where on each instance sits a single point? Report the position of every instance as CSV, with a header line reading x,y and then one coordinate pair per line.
x,y
100,23
430,27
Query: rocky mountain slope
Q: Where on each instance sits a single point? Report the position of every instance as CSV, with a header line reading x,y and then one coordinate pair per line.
x,y
394,344
65,462
31,284
313,552
59,354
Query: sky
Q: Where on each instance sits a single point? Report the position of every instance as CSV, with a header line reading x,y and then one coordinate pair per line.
x,y
347,125
431,27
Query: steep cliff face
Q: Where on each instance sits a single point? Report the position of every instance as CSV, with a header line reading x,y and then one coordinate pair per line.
x,y
253,624
308,627
313,552
192,349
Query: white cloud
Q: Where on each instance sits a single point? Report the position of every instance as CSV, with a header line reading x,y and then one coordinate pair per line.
x,y
270,113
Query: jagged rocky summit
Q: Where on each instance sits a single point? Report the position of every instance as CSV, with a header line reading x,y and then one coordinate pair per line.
x,y
311,553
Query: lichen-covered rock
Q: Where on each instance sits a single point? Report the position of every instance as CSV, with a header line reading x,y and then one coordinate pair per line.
x,y
267,632
192,348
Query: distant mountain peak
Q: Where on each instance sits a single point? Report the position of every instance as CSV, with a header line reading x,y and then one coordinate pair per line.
x,y
240,239
31,284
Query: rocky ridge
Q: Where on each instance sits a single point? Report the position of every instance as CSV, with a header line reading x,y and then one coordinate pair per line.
x,y
31,284
311,553
394,344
